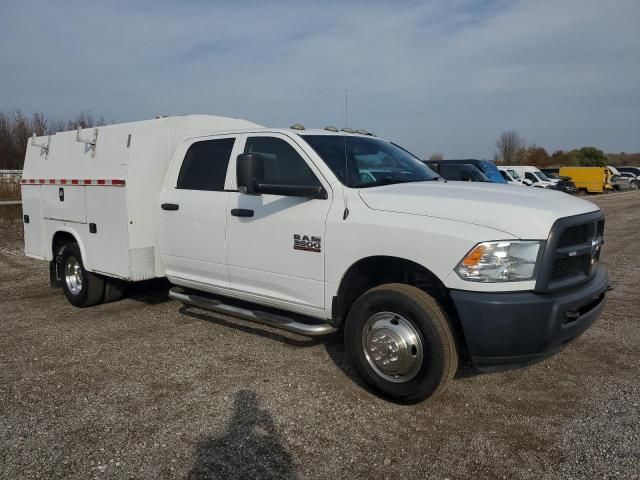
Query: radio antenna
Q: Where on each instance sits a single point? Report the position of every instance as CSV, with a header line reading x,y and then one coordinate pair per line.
x,y
346,155
346,107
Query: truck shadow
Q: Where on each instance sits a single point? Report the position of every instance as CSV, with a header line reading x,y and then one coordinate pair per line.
x,y
149,292
250,447
333,343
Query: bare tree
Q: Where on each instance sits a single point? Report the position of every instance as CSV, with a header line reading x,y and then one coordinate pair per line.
x,y
511,147
16,128
83,120
436,156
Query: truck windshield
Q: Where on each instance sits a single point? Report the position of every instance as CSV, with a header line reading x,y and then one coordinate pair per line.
x,y
514,175
361,162
542,176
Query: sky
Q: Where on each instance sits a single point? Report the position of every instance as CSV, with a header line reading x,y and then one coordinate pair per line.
x,y
434,76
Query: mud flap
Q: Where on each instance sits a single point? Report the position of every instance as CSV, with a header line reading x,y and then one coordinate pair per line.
x,y
55,272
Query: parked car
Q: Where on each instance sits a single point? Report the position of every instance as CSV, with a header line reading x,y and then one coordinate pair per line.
x,y
457,171
485,166
531,176
633,179
589,179
564,184
627,169
511,176
618,182
279,227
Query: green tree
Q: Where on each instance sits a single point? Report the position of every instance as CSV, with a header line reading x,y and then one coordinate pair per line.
x,y
591,157
536,156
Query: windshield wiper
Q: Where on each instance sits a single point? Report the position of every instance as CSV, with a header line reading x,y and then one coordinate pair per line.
x,y
390,181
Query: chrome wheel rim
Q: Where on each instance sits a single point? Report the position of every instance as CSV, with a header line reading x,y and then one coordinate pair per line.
x,y
392,346
73,275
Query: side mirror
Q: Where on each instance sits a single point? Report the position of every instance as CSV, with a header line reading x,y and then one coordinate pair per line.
x,y
249,168
527,182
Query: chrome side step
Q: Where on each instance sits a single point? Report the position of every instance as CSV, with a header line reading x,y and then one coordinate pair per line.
x,y
265,318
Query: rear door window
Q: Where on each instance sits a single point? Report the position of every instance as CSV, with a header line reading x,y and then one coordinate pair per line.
x,y
205,165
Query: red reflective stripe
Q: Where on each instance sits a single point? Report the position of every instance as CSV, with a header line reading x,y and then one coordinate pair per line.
x,y
74,181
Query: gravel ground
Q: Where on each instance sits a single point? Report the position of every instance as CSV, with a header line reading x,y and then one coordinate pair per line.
x,y
143,388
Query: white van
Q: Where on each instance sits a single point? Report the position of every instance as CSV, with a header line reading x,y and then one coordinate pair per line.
x,y
531,176
313,231
511,176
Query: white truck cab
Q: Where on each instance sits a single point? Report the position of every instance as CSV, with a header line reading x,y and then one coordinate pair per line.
x,y
313,231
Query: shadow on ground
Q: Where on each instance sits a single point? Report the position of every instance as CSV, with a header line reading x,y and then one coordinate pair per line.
x,y
250,447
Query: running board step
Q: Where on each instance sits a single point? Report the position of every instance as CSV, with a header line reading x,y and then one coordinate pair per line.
x,y
265,318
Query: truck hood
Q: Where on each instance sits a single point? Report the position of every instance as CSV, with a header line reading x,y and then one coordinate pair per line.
x,y
524,212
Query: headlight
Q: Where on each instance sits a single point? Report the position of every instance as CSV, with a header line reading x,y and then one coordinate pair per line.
x,y
500,262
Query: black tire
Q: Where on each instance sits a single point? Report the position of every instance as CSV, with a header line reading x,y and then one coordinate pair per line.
x,y
439,353
91,290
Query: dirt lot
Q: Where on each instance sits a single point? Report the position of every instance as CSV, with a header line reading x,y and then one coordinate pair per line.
x,y
144,389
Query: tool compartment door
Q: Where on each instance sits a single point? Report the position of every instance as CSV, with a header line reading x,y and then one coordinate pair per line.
x,y
33,237
74,203
64,202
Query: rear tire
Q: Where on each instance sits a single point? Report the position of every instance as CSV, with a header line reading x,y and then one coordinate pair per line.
x,y
82,288
400,341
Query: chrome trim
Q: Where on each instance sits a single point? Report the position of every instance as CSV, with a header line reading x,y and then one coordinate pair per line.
x,y
264,318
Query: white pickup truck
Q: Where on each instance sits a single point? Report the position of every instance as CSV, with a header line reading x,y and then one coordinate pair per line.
x,y
314,231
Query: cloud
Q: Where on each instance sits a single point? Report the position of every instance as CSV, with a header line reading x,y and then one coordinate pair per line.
x,y
435,76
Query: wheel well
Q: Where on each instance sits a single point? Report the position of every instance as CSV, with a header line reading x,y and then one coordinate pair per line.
x,y
60,239
373,271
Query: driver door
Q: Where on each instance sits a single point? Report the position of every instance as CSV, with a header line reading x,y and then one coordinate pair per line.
x,y
275,243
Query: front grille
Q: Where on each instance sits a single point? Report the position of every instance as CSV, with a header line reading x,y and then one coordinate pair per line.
x,y
570,256
574,236
567,267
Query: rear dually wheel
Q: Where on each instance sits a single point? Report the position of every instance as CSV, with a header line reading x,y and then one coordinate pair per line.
x,y
82,288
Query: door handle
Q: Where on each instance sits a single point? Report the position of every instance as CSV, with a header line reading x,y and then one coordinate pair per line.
x,y
241,212
170,206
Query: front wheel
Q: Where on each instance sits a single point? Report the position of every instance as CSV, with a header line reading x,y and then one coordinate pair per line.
x,y
82,288
400,341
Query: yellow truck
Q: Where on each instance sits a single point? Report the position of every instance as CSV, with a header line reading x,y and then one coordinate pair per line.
x,y
589,179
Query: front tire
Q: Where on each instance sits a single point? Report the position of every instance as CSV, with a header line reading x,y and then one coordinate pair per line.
x,y
401,343
82,288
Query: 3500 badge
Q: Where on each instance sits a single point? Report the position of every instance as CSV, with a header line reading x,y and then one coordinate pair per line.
x,y
307,243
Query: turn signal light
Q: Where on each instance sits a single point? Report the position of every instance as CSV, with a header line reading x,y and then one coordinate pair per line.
x,y
474,256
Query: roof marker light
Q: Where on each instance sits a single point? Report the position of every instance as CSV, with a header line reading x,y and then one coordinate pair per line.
x,y
331,128
297,126
348,130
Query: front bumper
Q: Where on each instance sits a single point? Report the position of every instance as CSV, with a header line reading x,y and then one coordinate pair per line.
x,y
511,330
